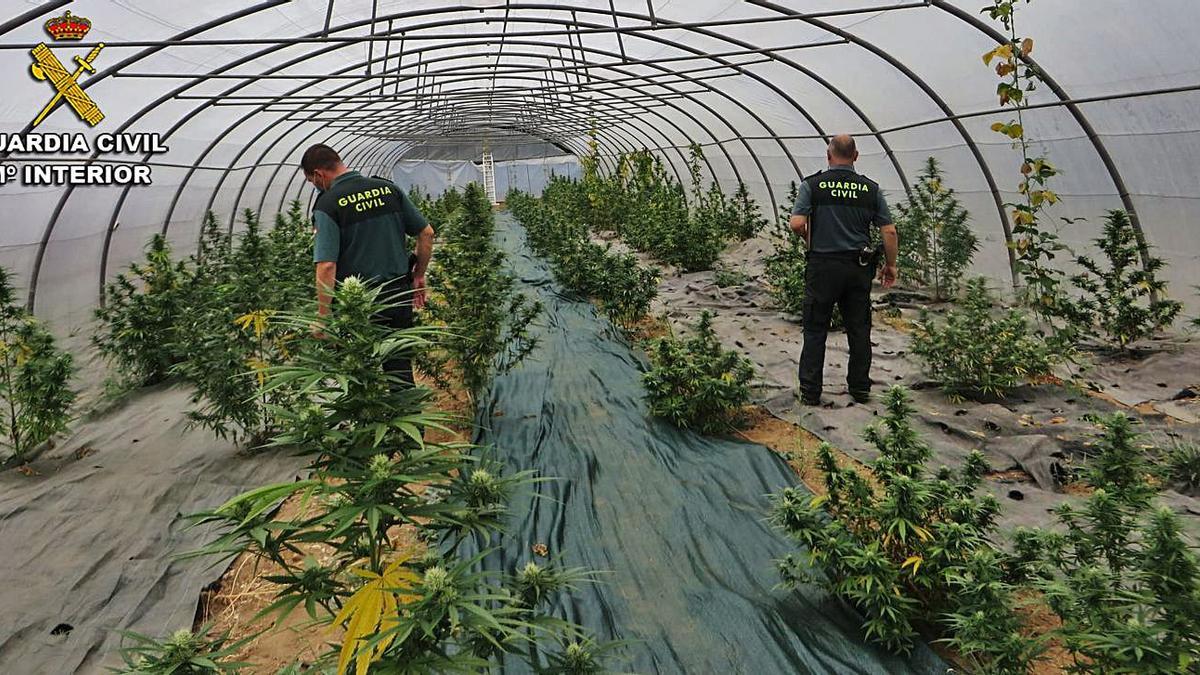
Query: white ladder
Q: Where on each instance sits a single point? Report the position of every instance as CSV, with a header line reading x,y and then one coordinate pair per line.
x,y
489,177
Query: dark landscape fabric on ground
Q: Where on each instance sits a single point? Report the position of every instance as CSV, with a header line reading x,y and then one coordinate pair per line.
x,y
89,545
676,521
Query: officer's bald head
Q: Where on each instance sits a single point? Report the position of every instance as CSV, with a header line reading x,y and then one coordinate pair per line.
x,y
842,150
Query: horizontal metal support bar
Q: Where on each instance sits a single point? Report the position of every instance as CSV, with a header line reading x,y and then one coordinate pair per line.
x,y
389,75
718,23
1058,103
649,79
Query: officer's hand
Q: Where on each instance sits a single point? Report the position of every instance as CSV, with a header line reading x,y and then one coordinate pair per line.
x,y
888,275
418,292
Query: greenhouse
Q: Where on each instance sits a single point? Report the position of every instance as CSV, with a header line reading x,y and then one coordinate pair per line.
x,y
602,336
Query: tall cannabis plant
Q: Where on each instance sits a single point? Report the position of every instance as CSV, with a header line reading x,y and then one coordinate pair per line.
x,y
35,395
228,338
785,268
937,244
372,474
695,383
472,294
1126,299
910,548
139,323
748,220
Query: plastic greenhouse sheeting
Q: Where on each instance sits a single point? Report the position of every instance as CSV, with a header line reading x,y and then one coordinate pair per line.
x,y
238,89
675,519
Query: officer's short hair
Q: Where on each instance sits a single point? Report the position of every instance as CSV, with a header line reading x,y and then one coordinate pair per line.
x,y
843,146
320,156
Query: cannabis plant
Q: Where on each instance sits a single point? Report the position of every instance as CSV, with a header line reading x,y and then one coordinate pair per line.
x,y
488,320
785,268
228,338
1183,465
725,277
1117,570
34,378
977,351
183,653
910,548
694,383
1125,299
371,475
139,331
748,218
937,244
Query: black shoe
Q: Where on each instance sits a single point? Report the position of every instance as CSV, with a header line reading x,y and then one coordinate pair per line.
x,y
861,396
810,401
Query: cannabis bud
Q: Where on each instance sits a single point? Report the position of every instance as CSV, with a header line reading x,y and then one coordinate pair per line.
x,y
380,467
578,658
437,579
484,488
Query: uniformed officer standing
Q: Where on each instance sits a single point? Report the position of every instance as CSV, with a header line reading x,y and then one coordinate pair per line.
x,y
834,213
361,225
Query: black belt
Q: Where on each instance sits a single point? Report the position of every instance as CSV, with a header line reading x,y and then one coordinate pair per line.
x,y
848,255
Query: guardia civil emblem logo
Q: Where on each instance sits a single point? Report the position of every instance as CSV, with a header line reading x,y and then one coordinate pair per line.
x,y
48,68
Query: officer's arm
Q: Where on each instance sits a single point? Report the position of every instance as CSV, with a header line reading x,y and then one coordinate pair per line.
x,y
801,211
424,251
326,248
799,225
326,279
887,228
891,243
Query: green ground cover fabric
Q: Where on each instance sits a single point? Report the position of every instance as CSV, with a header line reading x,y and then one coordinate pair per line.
x,y
677,520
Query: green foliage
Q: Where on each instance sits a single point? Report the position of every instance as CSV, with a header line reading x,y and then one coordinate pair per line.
x,y
370,472
1183,465
616,281
1124,299
695,383
183,653
908,547
228,340
206,318
974,351
937,245
34,378
1118,571
748,219
472,294
142,315
785,268
725,277
649,209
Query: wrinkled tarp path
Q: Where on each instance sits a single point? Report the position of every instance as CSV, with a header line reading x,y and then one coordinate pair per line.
x,y
676,519
90,543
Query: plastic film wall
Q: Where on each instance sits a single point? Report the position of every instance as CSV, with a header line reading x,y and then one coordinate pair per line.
x,y
237,90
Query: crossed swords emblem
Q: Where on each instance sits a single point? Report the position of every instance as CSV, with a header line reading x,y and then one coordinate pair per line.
x,y
46,66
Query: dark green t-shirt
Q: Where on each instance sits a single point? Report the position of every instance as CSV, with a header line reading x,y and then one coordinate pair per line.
x,y
842,206
361,224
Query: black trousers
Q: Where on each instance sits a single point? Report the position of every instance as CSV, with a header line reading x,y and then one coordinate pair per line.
x,y
398,317
836,280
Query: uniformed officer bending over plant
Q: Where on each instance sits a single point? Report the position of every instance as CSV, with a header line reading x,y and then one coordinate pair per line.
x,y
834,213
361,225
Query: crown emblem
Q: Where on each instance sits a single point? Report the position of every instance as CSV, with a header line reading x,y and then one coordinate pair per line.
x,y
68,27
